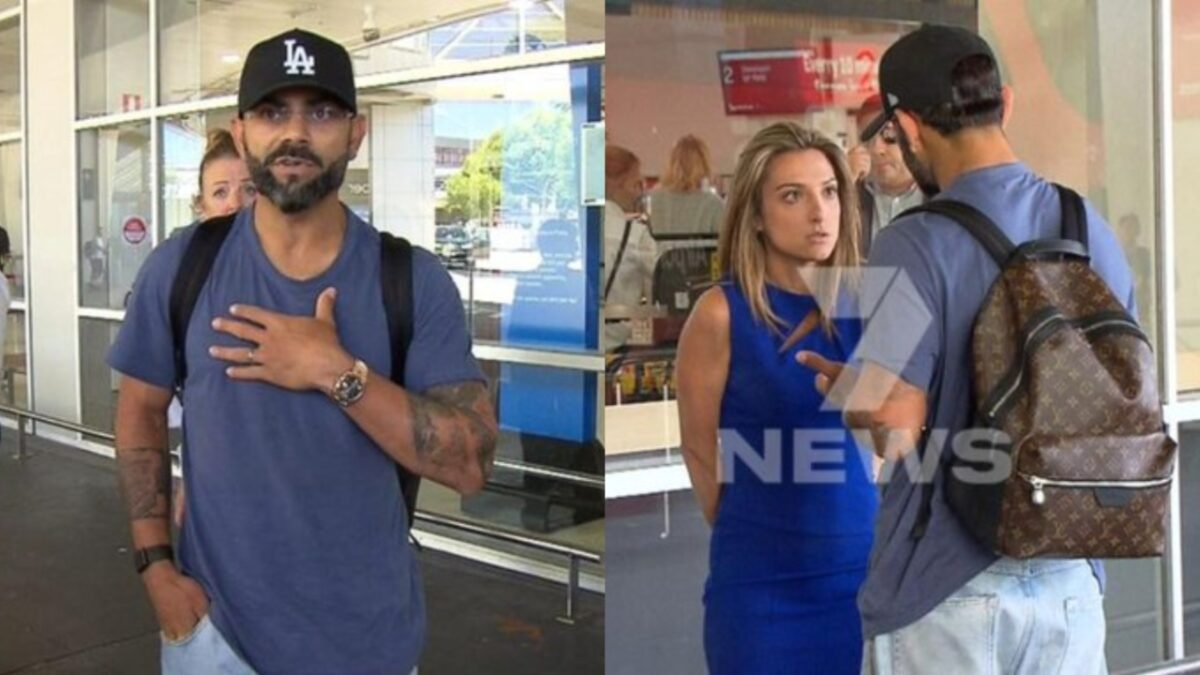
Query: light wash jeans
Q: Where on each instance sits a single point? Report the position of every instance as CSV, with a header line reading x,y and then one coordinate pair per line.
x,y
1017,617
204,652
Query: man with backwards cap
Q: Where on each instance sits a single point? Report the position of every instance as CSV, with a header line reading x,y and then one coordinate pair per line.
x,y
935,599
294,556
888,188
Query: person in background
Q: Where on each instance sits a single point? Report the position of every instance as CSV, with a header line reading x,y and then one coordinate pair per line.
x,y
225,183
888,188
685,203
225,187
789,545
629,250
1129,231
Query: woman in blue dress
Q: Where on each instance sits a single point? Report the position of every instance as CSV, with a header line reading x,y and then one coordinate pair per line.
x,y
788,494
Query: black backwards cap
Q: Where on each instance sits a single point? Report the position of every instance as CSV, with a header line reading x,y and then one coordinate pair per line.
x,y
296,58
917,71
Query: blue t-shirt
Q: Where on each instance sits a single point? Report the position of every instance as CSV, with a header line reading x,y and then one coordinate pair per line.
x,y
922,330
295,524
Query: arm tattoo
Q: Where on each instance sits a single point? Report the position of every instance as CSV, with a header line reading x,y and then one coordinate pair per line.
x,y
145,475
454,425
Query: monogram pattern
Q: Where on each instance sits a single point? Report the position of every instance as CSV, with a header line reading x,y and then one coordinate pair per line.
x,y
1071,523
1086,408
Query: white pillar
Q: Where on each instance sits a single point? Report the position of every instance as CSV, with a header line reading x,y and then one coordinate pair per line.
x,y
402,145
51,170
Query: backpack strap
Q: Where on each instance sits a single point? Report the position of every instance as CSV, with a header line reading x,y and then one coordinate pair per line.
x,y
395,271
1000,248
1074,216
194,267
975,222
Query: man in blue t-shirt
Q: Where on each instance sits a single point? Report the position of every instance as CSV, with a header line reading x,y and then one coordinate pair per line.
x,y
294,555
941,600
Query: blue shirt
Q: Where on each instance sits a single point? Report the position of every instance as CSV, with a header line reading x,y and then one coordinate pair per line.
x,y
922,330
295,525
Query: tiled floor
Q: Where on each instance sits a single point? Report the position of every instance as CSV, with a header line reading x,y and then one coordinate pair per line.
x,y
69,603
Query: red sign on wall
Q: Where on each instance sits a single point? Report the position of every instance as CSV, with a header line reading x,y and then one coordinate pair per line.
x,y
133,230
789,81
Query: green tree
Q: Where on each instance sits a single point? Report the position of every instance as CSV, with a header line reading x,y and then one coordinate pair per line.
x,y
529,162
539,165
474,192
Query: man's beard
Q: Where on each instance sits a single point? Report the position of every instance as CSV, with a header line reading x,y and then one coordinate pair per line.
x,y
921,173
295,195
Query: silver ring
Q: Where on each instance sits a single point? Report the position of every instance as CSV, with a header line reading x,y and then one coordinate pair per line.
x,y
250,357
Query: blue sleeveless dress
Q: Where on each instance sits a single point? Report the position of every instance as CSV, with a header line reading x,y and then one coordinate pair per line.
x,y
794,523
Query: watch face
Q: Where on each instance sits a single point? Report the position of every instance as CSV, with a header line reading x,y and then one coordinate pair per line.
x,y
350,388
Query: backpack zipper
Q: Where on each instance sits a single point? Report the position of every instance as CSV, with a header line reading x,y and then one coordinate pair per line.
x,y
1040,484
1088,325
1034,336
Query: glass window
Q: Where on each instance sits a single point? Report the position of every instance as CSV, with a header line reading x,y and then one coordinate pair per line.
x,y
546,420
114,212
1186,94
113,51
1083,79
1189,509
14,375
97,382
484,172
10,75
11,217
203,44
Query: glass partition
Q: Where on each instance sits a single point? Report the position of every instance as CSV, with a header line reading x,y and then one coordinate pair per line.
x,y
112,46
114,212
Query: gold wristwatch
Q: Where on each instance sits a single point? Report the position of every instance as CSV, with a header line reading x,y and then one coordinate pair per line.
x,y
350,386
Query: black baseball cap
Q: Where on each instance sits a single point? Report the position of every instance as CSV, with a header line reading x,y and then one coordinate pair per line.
x,y
296,58
917,71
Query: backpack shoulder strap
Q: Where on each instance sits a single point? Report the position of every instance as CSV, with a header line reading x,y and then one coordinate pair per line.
x,y
396,279
194,267
1074,215
395,272
974,221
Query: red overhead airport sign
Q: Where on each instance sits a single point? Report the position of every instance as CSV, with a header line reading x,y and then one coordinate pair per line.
x,y
789,81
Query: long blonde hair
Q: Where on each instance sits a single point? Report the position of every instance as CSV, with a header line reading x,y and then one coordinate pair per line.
x,y
742,253
689,165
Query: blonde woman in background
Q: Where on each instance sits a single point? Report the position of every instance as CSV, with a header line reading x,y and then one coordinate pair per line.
x,y
791,534
225,185
629,250
685,204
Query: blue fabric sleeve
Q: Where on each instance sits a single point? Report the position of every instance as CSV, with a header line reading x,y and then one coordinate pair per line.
x,y
441,347
144,348
900,302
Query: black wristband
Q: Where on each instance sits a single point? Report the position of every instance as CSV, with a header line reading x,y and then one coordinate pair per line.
x,y
143,557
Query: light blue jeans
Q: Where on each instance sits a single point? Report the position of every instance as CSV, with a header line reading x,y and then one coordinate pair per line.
x,y
1017,617
204,652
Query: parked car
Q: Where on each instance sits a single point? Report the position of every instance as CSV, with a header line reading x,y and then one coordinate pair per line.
x,y
453,245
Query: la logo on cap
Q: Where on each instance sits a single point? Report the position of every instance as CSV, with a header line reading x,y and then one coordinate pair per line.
x,y
298,61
